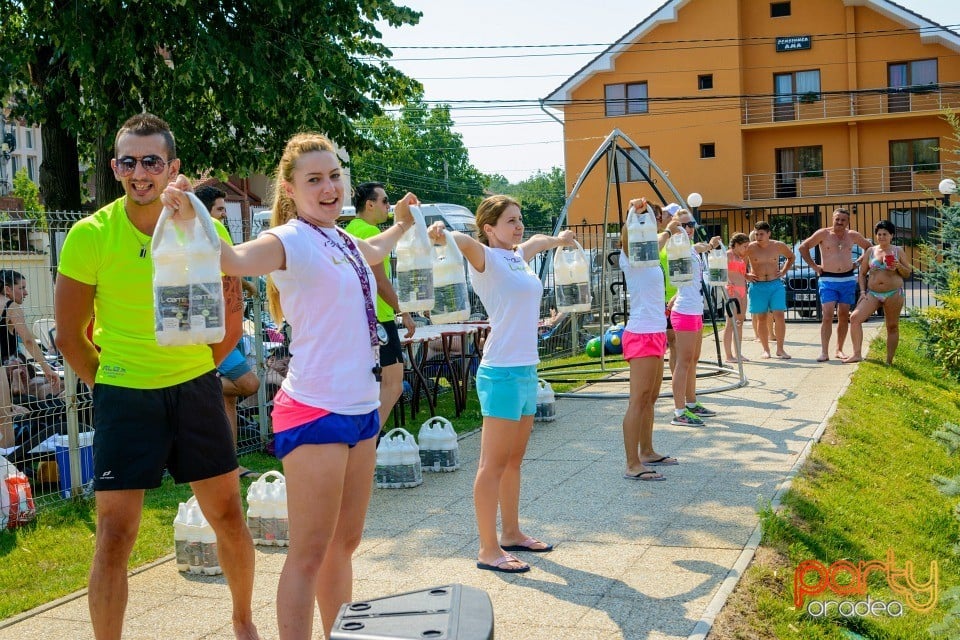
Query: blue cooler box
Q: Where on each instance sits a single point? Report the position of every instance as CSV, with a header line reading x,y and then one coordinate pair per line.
x,y
62,451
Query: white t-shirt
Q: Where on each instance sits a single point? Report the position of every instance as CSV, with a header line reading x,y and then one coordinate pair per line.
x,y
510,292
689,296
645,285
332,360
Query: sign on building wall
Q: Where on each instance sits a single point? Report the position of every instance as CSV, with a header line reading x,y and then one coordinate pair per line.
x,y
794,43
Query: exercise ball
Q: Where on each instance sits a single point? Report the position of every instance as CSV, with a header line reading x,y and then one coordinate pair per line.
x,y
593,347
613,340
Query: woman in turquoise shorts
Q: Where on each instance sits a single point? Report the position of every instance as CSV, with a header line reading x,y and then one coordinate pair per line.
x,y
882,271
507,378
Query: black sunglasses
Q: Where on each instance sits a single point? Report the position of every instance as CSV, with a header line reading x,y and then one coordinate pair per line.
x,y
152,164
689,225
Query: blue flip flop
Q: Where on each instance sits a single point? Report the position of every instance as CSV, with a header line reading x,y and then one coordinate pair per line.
x,y
527,545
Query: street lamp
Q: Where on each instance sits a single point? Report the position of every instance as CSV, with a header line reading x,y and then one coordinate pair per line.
x,y
947,186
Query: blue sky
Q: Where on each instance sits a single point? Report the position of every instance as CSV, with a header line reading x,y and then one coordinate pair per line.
x,y
517,142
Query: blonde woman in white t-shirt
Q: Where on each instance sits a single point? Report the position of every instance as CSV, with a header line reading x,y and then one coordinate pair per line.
x,y
325,418
507,377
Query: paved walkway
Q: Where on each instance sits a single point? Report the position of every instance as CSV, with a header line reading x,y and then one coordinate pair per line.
x,y
634,560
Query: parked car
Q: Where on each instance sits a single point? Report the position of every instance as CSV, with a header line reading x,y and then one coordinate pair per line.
x,y
453,216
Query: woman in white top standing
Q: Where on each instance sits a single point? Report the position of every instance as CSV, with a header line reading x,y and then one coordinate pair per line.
x,y
686,316
644,344
325,418
507,377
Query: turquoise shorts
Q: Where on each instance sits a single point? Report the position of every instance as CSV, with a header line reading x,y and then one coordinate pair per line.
x,y
767,296
507,392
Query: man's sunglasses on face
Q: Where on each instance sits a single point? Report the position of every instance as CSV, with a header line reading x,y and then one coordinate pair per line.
x,y
152,164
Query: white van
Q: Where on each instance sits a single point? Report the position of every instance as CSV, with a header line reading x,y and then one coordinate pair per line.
x,y
453,216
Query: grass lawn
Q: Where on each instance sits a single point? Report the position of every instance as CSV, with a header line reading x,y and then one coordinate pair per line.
x,y
51,557
866,488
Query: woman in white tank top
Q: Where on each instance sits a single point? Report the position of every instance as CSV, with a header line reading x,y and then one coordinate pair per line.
x,y
325,415
507,377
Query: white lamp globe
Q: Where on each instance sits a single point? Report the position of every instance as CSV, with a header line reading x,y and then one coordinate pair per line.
x,y
695,199
947,186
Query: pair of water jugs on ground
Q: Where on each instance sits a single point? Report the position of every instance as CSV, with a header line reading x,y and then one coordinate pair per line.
x,y
194,541
267,510
431,277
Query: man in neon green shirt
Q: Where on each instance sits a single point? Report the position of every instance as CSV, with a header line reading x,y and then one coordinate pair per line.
x,y
373,208
154,407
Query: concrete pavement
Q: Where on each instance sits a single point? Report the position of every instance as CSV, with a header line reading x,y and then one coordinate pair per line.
x,y
633,560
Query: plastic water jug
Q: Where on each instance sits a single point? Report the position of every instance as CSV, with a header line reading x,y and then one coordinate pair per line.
x,y
546,401
643,246
415,267
209,563
398,461
180,538
187,290
256,503
450,300
571,275
679,260
194,546
439,447
717,266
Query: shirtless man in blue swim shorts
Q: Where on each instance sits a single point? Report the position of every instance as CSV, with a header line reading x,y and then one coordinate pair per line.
x,y
767,293
837,276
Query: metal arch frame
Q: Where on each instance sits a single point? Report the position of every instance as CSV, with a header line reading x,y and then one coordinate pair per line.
x,y
609,149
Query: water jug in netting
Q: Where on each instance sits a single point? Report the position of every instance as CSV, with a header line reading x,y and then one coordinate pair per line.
x,y
187,289
679,259
415,267
571,275
643,246
450,300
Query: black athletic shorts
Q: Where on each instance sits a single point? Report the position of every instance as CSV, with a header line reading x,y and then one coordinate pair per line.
x,y
392,352
139,432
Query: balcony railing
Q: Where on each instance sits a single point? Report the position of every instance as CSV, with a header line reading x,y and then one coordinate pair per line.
x,y
848,104
840,182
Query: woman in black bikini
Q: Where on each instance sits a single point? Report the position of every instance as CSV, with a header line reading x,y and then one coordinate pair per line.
x,y
882,271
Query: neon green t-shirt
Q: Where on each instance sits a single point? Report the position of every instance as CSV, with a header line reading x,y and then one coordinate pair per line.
x,y
359,228
103,250
668,289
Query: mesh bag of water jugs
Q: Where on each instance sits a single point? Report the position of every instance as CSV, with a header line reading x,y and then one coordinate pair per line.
x,y
717,266
267,510
679,259
643,244
194,541
398,461
187,290
450,300
571,275
439,448
546,403
415,267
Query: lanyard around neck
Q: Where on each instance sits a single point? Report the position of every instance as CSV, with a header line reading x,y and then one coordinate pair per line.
x,y
352,254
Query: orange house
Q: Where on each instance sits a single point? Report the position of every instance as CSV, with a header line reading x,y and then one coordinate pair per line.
x,y
760,103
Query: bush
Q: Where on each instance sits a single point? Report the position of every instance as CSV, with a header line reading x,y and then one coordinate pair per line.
x,y
25,189
942,327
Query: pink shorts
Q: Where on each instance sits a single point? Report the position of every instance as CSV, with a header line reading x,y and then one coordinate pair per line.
x,y
736,291
686,322
644,345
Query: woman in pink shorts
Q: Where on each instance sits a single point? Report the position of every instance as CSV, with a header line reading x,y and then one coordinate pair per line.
x,y
686,316
644,343
736,290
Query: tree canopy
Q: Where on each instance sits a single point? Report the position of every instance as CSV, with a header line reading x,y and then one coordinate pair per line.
x,y
234,79
417,150
541,196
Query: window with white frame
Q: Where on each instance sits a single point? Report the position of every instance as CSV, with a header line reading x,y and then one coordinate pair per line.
x,y
625,99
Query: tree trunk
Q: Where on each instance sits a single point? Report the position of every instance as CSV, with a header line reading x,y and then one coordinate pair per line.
x,y
60,169
108,188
